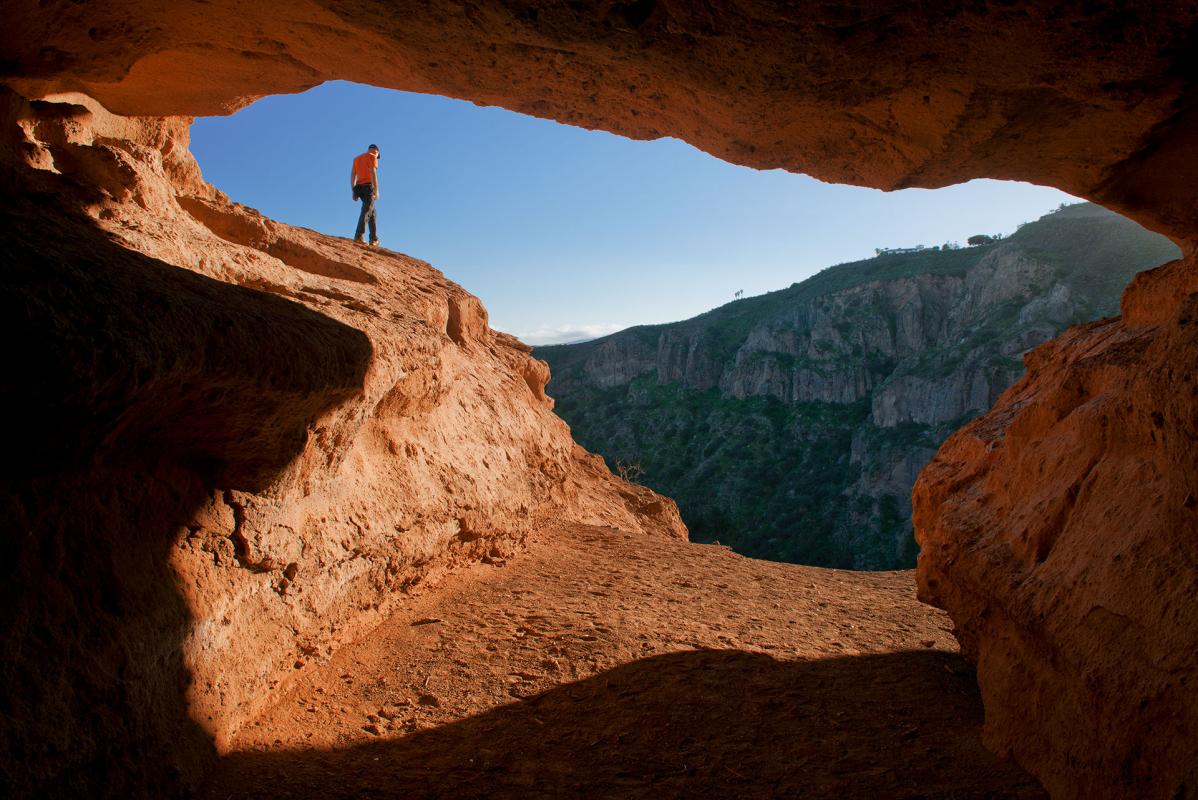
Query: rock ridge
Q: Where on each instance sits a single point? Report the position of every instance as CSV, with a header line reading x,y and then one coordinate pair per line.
x,y
284,430
898,351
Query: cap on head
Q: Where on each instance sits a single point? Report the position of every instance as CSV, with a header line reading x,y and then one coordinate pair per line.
x,y
373,147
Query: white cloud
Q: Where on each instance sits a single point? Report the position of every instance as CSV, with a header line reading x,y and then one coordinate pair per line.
x,y
567,334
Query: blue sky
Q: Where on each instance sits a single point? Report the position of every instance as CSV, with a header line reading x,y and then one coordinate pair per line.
x,y
566,233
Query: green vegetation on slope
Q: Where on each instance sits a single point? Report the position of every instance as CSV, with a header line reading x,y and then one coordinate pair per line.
x,y
825,482
755,473
1095,252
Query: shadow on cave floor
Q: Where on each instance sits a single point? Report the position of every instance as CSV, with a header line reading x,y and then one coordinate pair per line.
x,y
642,666
139,388
133,390
706,723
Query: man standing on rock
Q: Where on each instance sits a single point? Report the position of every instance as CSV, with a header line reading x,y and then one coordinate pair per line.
x,y
364,182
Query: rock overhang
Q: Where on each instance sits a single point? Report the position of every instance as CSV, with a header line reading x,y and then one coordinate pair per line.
x,y
1096,99
1092,98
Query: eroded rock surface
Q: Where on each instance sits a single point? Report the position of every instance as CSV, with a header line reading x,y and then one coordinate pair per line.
x,y
605,664
1095,98
1060,530
236,443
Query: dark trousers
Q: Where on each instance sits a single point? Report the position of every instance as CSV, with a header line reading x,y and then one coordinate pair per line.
x,y
365,192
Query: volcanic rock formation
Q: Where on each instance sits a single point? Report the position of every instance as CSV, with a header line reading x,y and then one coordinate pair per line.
x,y
1095,98
148,378
1060,532
236,442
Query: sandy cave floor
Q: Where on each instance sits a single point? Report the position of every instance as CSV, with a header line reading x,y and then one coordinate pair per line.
x,y
599,664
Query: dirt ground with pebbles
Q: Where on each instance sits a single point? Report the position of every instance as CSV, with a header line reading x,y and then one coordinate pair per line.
x,y
602,664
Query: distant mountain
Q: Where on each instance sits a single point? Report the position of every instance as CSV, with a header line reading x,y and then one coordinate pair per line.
x,y
792,425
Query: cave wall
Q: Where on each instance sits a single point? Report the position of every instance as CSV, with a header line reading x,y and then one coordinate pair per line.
x,y
1060,530
1061,546
1096,98
235,445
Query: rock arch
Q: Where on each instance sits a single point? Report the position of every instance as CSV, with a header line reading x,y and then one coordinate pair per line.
x,y
1058,530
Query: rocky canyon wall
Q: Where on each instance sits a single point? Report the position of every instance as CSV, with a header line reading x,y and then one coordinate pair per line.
x,y
196,375
858,373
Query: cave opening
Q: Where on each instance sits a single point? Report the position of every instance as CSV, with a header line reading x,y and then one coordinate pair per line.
x,y
298,461
570,236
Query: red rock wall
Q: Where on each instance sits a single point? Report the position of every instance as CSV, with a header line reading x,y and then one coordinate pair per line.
x,y
1058,544
1061,531
234,444
1093,97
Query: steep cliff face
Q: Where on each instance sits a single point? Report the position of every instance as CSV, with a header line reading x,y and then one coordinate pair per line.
x,y
903,348
236,444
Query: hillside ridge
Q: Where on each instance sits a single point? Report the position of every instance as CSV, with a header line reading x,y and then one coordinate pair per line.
x,y
792,424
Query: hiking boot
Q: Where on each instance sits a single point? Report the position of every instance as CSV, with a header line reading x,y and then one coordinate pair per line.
x,y
374,242
358,240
